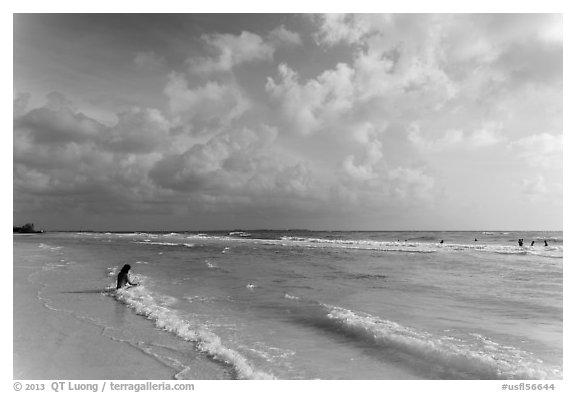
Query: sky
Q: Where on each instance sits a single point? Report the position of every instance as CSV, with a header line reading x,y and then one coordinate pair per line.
x,y
288,121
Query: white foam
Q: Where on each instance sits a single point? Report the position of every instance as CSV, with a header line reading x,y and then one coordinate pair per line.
x,y
211,265
144,303
196,298
481,356
149,242
48,247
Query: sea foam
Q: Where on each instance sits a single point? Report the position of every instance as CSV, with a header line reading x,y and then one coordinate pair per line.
x,y
478,356
155,308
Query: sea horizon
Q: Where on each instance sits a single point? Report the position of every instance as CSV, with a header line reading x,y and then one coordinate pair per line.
x,y
232,229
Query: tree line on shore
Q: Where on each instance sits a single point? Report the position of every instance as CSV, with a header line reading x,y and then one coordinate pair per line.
x,y
26,228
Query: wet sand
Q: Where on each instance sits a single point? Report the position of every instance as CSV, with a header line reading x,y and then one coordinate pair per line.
x,y
51,344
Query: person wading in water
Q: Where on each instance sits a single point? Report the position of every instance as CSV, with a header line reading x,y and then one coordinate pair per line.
x,y
123,278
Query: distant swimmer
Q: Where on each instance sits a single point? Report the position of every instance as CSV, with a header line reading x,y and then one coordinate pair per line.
x,y
475,239
520,242
123,278
545,243
532,244
442,241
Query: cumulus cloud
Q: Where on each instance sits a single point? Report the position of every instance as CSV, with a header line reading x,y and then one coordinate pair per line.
x,y
224,160
61,153
230,51
317,102
58,123
391,77
347,28
139,131
222,102
282,36
447,48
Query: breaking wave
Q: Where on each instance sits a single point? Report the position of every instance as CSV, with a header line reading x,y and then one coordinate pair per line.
x,y
155,307
476,356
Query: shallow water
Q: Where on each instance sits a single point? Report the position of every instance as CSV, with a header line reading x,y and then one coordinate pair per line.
x,y
328,305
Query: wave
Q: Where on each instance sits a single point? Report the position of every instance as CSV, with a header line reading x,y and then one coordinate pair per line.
x,y
172,244
477,356
422,246
145,303
49,247
239,233
425,247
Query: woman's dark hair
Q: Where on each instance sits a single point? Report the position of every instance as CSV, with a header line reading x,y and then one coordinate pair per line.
x,y
125,268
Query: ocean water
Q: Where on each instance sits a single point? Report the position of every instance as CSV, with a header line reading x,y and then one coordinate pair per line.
x,y
318,305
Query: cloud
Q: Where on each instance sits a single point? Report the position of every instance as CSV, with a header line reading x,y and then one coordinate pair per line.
x,y
20,103
386,80
520,48
56,124
378,115
227,159
316,103
230,51
412,185
282,36
485,135
540,150
213,101
552,29
139,131
372,188
542,190
74,161
347,28
366,166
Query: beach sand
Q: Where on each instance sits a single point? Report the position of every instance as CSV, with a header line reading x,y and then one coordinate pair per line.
x,y
50,344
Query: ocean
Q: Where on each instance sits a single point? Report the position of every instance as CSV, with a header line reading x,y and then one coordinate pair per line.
x,y
316,305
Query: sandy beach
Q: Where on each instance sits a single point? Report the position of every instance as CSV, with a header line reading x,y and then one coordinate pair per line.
x,y
51,344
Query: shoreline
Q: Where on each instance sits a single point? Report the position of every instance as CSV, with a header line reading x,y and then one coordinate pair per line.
x,y
52,344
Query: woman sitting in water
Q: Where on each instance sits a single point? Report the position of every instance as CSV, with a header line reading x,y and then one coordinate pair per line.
x,y
123,278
